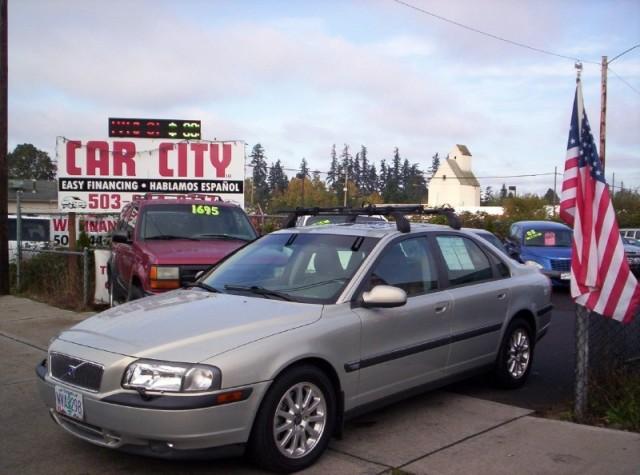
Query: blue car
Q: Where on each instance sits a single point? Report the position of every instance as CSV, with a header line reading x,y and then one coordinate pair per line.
x,y
545,245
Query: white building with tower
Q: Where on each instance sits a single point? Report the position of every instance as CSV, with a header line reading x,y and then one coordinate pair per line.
x,y
454,183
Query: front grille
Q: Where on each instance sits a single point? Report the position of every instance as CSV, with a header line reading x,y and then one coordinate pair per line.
x,y
76,372
562,265
188,273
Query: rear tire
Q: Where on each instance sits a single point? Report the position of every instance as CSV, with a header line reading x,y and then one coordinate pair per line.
x,y
295,422
515,357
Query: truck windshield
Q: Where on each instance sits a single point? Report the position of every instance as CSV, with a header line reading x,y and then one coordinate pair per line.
x,y
195,221
312,268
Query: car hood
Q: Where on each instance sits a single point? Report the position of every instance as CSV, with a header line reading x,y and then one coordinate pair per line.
x,y
547,252
182,251
188,325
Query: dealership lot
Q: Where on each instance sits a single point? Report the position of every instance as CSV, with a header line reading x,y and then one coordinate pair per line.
x,y
439,432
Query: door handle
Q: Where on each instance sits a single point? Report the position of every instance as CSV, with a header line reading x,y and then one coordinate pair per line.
x,y
441,308
502,296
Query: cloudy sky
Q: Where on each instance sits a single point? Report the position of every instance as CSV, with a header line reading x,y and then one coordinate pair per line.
x,y
299,76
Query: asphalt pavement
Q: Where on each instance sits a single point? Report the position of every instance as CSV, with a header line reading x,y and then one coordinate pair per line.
x,y
441,432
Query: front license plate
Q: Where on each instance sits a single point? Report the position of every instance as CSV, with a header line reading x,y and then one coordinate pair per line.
x,y
565,276
69,403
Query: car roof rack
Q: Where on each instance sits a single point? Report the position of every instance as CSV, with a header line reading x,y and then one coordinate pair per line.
x,y
176,196
396,212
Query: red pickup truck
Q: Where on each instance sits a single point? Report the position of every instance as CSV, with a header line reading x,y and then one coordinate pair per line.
x,y
163,242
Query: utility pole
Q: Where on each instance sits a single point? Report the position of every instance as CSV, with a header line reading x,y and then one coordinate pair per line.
x,y
346,183
603,111
555,195
4,179
613,184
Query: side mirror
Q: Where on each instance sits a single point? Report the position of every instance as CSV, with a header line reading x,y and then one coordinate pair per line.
x,y
384,296
120,236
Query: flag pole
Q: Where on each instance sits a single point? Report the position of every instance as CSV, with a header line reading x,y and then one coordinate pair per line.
x,y
581,389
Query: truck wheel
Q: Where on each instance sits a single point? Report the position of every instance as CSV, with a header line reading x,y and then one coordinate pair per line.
x,y
296,419
515,357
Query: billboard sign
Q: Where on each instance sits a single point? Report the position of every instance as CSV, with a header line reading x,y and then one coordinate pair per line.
x,y
97,176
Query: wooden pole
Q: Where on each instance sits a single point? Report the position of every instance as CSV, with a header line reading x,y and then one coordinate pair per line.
x,y
603,111
4,178
555,184
72,261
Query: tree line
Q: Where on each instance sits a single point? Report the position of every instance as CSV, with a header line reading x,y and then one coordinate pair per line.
x,y
395,180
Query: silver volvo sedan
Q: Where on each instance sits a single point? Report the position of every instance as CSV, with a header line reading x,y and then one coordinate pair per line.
x,y
275,347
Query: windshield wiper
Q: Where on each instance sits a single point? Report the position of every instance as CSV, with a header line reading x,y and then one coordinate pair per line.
x,y
254,289
222,236
202,285
170,237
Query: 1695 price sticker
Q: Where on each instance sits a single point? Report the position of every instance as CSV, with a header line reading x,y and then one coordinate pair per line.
x,y
205,210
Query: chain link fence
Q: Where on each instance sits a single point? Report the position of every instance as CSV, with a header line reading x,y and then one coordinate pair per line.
x,y
607,352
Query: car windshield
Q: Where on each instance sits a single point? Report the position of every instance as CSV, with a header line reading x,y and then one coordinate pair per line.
x,y
312,268
547,238
195,221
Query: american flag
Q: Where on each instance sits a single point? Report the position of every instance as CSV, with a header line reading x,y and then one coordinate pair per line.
x,y
600,276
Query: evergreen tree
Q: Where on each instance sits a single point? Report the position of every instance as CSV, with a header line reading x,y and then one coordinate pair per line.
x,y
503,192
346,169
278,180
488,198
304,169
406,181
551,197
416,188
260,184
383,177
366,184
357,172
435,164
372,179
333,177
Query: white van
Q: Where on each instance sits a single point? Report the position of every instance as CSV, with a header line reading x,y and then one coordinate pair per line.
x,y
36,233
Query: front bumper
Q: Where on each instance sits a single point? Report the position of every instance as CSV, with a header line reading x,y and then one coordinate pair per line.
x,y
558,278
167,433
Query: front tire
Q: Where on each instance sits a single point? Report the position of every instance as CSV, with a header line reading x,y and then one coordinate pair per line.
x,y
296,419
516,355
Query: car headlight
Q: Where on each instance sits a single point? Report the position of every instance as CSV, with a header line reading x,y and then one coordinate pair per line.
x,y
166,376
535,264
164,277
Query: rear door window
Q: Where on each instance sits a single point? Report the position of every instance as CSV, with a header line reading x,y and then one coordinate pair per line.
x,y
464,261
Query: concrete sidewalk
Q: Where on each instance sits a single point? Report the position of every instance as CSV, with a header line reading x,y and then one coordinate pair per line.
x,y
435,433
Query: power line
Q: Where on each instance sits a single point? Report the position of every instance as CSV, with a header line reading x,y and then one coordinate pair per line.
x,y
624,80
624,52
491,35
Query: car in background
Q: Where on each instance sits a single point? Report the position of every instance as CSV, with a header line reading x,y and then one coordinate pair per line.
x,y
297,331
163,242
488,236
35,233
545,245
632,253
